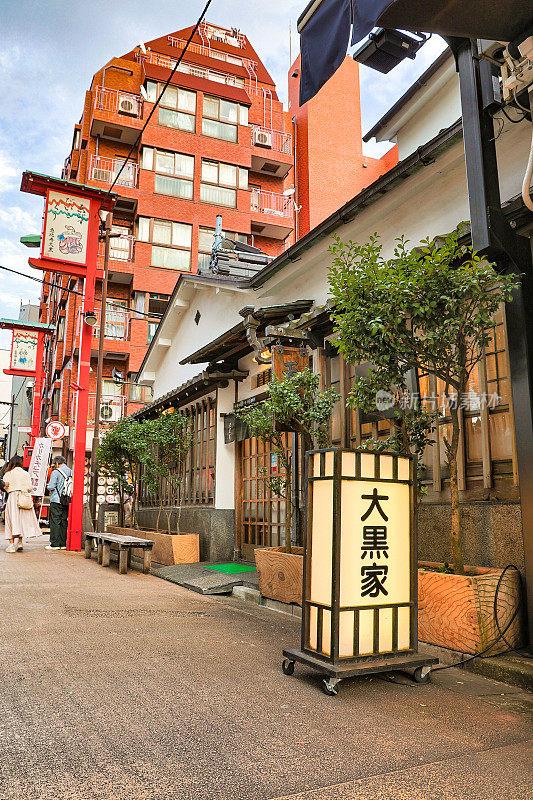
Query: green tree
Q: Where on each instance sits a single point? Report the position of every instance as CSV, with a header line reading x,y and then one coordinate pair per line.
x,y
168,442
427,309
294,403
122,449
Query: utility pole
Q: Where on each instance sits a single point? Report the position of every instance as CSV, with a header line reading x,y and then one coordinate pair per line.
x,y
96,435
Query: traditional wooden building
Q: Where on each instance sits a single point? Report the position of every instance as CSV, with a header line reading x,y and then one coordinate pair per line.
x,y
205,358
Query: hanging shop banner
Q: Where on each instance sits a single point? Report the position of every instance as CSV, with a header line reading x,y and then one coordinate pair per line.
x,y
66,228
24,350
288,362
40,459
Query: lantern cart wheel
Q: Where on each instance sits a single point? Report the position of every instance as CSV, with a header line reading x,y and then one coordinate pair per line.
x,y
288,667
330,686
422,674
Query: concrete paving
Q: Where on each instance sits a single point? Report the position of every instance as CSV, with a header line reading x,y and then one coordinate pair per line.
x,y
127,687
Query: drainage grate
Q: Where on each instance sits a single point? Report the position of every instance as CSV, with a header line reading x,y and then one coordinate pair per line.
x,y
72,611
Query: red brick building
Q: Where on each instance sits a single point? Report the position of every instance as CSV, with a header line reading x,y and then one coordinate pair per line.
x,y
220,142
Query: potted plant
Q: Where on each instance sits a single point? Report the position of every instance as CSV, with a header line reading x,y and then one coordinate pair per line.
x,y
426,310
153,452
294,403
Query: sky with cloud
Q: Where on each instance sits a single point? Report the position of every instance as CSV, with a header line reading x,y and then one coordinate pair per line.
x,y
48,55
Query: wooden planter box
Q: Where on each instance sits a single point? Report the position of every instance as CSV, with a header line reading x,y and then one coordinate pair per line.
x,y
457,611
169,549
280,574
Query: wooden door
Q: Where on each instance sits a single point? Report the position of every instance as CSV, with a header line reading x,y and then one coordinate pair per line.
x,y
262,512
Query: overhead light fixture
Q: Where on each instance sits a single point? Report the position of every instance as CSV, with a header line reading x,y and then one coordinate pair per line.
x,y
90,318
385,49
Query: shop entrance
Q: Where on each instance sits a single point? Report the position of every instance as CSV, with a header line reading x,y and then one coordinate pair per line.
x,y
261,513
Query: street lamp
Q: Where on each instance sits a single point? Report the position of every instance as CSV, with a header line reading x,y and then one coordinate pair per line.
x,y
90,318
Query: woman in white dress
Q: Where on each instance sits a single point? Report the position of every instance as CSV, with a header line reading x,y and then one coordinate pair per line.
x,y
21,523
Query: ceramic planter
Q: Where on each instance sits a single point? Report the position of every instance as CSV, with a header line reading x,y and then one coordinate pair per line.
x,y
169,549
457,611
280,574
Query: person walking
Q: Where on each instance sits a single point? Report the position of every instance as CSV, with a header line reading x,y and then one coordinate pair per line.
x,y
58,511
21,522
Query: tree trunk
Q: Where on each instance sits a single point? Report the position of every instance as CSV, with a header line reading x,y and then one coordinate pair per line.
x,y
455,533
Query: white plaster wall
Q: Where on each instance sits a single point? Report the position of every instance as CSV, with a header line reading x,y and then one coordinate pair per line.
x,y
434,113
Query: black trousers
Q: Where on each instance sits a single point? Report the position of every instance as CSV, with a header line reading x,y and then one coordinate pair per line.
x,y
58,524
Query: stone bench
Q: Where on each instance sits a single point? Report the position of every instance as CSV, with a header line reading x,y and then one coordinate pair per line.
x,y
124,544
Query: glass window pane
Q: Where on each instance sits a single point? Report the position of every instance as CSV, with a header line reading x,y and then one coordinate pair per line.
x,y
162,231
187,101
143,229
170,259
227,175
205,239
211,106
151,91
234,60
209,171
169,97
243,178
243,115
218,195
501,432
175,187
219,130
181,234
148,158
184,165
176,119
229,111
164,162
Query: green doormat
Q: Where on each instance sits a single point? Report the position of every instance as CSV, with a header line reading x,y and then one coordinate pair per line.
x,y
231,569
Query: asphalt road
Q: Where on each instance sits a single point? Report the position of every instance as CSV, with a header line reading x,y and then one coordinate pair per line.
x,y
127,687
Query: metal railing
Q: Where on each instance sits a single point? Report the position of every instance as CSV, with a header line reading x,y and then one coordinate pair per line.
x,y
117,324
192,69
121,248
118,102
105,170
279,141
210,52
270,203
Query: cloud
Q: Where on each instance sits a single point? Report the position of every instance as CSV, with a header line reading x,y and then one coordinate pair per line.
x,y
16,219
9,174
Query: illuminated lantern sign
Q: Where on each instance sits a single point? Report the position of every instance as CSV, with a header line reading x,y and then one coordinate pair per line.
x,y
66,227
360,569
24,350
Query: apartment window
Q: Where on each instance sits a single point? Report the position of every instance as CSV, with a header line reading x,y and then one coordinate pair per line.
x,y
220,182
177,107
56,394
152,327
171,242
138,393
206,237
61,329
157,303
174,172
120,247
221,117
139,304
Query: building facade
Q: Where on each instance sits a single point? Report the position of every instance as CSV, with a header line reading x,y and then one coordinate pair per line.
x,y
219,143
424,195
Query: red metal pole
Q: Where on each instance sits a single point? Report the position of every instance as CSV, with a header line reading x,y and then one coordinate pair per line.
x,y
84,365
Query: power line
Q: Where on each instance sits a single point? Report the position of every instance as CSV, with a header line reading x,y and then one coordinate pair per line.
x,y
178,62
81,294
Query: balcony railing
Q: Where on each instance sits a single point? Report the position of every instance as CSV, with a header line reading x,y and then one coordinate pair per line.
x,y
268,139
121,248
270,203
117,324
192,69
105,170
118,102
210,52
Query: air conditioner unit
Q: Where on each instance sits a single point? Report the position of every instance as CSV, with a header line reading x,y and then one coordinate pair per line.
x,y
128,105
262,138
103,175
109,411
